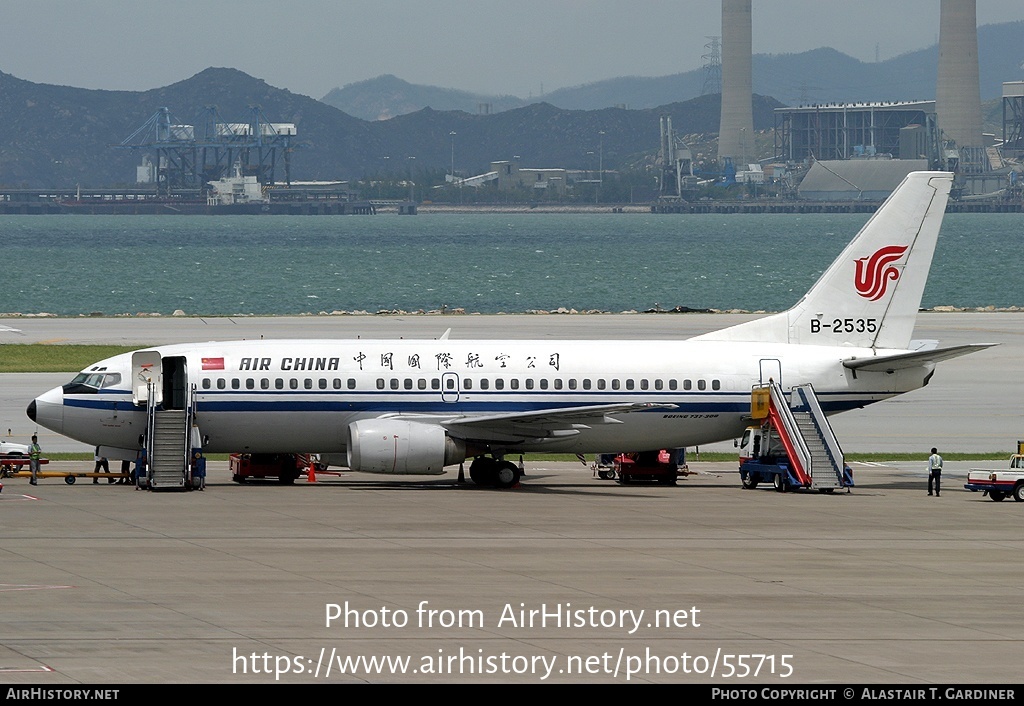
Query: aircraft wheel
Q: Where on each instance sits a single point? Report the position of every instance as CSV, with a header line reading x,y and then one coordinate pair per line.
x,y
996,495
778,483
1018,492
70,480
506,475
748,480
483,471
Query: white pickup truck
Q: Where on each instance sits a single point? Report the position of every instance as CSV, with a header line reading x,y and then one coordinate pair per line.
x,y
999,484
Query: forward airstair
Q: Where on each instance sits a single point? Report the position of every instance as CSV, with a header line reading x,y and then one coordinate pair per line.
x,y
169,442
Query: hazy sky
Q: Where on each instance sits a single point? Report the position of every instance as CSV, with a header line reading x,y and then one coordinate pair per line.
x,y
520,47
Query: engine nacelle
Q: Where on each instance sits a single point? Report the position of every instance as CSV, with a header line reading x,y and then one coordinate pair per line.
x,y
399,446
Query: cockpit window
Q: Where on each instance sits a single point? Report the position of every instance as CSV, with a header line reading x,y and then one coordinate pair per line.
x,y
90,383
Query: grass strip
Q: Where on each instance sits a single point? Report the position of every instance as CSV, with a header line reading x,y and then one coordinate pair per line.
x,y
54,358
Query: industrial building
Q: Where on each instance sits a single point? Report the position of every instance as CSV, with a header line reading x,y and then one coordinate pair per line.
x,y
177,156
849,131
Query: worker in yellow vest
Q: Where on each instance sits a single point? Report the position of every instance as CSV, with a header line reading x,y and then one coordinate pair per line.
x,y
34,454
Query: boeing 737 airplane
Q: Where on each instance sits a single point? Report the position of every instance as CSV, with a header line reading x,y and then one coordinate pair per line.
x,y
417,406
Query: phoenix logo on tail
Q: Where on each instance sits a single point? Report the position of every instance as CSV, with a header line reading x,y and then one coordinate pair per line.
x,y
875,271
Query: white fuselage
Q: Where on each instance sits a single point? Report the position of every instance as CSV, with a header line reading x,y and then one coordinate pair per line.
x,y
301,395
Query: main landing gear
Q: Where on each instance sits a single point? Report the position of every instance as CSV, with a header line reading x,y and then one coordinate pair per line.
x,y
494,472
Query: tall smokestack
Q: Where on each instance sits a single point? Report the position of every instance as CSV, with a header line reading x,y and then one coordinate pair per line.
x,y
736,129
957,95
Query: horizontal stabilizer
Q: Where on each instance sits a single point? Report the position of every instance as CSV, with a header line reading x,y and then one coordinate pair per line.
x,y
916,359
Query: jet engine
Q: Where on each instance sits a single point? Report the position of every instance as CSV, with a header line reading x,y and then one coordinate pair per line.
x,y
399,446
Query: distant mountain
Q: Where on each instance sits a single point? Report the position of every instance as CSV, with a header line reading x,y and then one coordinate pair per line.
x,y
817,76
387,96
61,136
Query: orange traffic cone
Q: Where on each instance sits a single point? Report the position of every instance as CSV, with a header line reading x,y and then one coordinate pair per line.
x,y
311,474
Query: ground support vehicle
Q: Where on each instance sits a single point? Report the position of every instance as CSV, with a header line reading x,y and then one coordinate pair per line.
x,y
999,484
285,467
664,466
794,446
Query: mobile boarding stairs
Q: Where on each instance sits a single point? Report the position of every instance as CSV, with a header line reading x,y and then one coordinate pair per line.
x,y
814,459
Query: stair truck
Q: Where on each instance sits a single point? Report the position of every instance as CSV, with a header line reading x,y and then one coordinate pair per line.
x,y
794,446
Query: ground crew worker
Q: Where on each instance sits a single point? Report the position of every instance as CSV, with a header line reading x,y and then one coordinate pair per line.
x,y
934,471
34,454
101,464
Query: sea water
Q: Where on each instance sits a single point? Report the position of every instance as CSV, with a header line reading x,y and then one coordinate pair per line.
x,y
480,262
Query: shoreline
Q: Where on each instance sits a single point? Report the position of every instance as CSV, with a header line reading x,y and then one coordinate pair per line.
x,y
461,312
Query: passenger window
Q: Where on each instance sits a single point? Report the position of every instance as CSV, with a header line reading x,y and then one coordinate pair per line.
x,y
643,384
673,384
687,385
467,384
499,384
279,383
265,383
293,383
484,383
601,384
702,384
407,383
529,383
450,383
235,384
572,383
514,384
629,384
250,384
558,383
421,384
206,383
544,384
716,384
435,384
380,383
615,384
394,383
221,383
659,385
586,383
308,383
351,383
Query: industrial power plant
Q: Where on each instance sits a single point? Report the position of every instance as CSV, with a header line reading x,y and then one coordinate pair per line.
x,y
845,155
862,150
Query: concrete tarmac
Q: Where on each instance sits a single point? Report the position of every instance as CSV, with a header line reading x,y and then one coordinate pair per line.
x,y
104,584
883,585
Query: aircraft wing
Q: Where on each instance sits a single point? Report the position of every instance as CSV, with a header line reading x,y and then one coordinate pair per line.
x,y
889,363
538,424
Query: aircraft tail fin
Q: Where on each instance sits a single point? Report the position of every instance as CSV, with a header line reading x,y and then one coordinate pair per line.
x,y
869,296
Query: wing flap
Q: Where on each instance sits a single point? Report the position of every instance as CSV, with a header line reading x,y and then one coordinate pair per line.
x,y
548,423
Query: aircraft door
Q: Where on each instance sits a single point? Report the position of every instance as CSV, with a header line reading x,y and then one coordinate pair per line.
x,y
771,368
175,383
450,387
146,368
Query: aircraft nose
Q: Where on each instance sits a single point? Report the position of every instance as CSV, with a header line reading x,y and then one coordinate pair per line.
x,y
47,410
